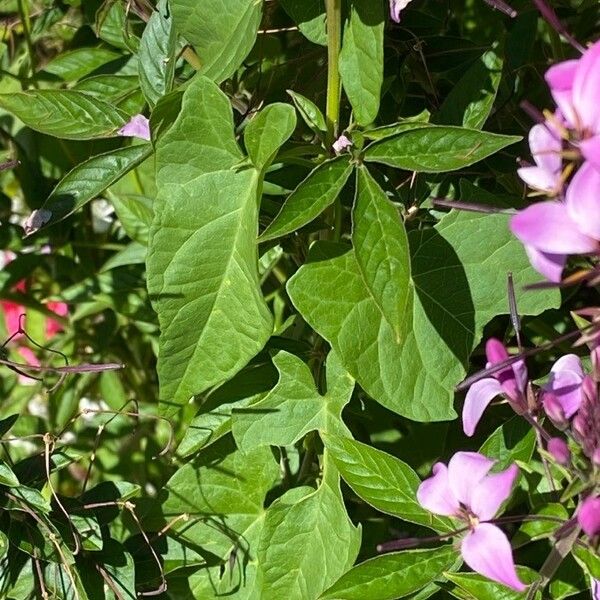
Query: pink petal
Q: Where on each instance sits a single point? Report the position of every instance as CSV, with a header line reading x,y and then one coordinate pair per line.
x,y
465,472
568,362
487,551
435,495
492,491
583,200
566,387
540,179
550,266
595,589
559,450
495,351
586,88
545,147
396,7
513,379
560,78
590,149
53,326
138,126
480,394
588,516
342,143
12,312
548,227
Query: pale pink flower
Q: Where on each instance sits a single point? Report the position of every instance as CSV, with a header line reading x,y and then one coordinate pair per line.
x,y
138,126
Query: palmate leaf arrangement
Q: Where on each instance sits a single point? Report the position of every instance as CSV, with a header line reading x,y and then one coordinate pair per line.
x,y
320,284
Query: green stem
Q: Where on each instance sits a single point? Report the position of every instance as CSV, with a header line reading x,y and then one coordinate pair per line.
x,y
26,22
334,44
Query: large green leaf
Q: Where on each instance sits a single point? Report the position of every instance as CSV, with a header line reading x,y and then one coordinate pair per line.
x,y
480,587
65,113
459,284
392,575
306,543
361,58
221,31
382,480
268,131
78,63
202,259
294,407
89,179
381,249
437,149
318,191
157,59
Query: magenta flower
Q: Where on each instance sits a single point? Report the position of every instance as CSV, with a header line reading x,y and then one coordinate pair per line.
x,y
559,450
552,230
546,147
396,7
138,126
564,384
588,516
467,491
510,382
586,423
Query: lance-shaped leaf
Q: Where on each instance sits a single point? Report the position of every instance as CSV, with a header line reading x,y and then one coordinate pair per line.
x,y
294,407
310,17
66,114
381,249
221,31
458,285
307,541
202,260
73,65
318,191
89,179
157,54
393,575
437,149
361,59
309,111
268,131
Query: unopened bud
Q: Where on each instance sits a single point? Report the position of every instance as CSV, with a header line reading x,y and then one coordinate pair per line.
x,y
596,457
559,450
553,408
588,516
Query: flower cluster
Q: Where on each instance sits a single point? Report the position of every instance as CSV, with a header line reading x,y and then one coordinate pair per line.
x,y
566,151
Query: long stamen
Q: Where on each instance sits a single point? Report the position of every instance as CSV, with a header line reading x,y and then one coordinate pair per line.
x,y
413,542
552,19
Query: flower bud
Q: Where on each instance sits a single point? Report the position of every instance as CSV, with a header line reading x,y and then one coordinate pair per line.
x,y
554,410
559,450
588,515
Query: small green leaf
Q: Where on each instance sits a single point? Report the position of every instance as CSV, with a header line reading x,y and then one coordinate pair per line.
x,y
221,31
385,482
3,546
7,477
512,441
89,179
157,54
381,249
437,149
309,111
392,576
267,132
318,191
310,17
361,59
65,113
73,65
294,407
31,497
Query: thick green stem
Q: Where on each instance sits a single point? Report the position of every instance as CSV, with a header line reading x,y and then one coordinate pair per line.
x,y
334,44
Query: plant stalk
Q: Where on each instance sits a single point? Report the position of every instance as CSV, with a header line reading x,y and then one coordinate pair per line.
x,y
334,88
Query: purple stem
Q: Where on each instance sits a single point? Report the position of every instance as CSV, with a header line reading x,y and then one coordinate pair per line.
x,y
552,19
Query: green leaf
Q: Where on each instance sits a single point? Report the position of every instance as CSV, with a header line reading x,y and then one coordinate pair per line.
x,y
221,31
157,54
89,179
7,477
122,91
318,191
310,17
3,545
437,149
64,113
459,284
479,587
309,111
392,576
306,543
294,407
73,65
202,258
385,482
470,101
381,249
512,441
268,131
361,59
536,530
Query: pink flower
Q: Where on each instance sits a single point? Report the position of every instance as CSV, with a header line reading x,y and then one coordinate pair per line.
x,y
342,143
138,126
510,382
552,230
559,450
595,589
396,7
564,384
466,490
588,516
